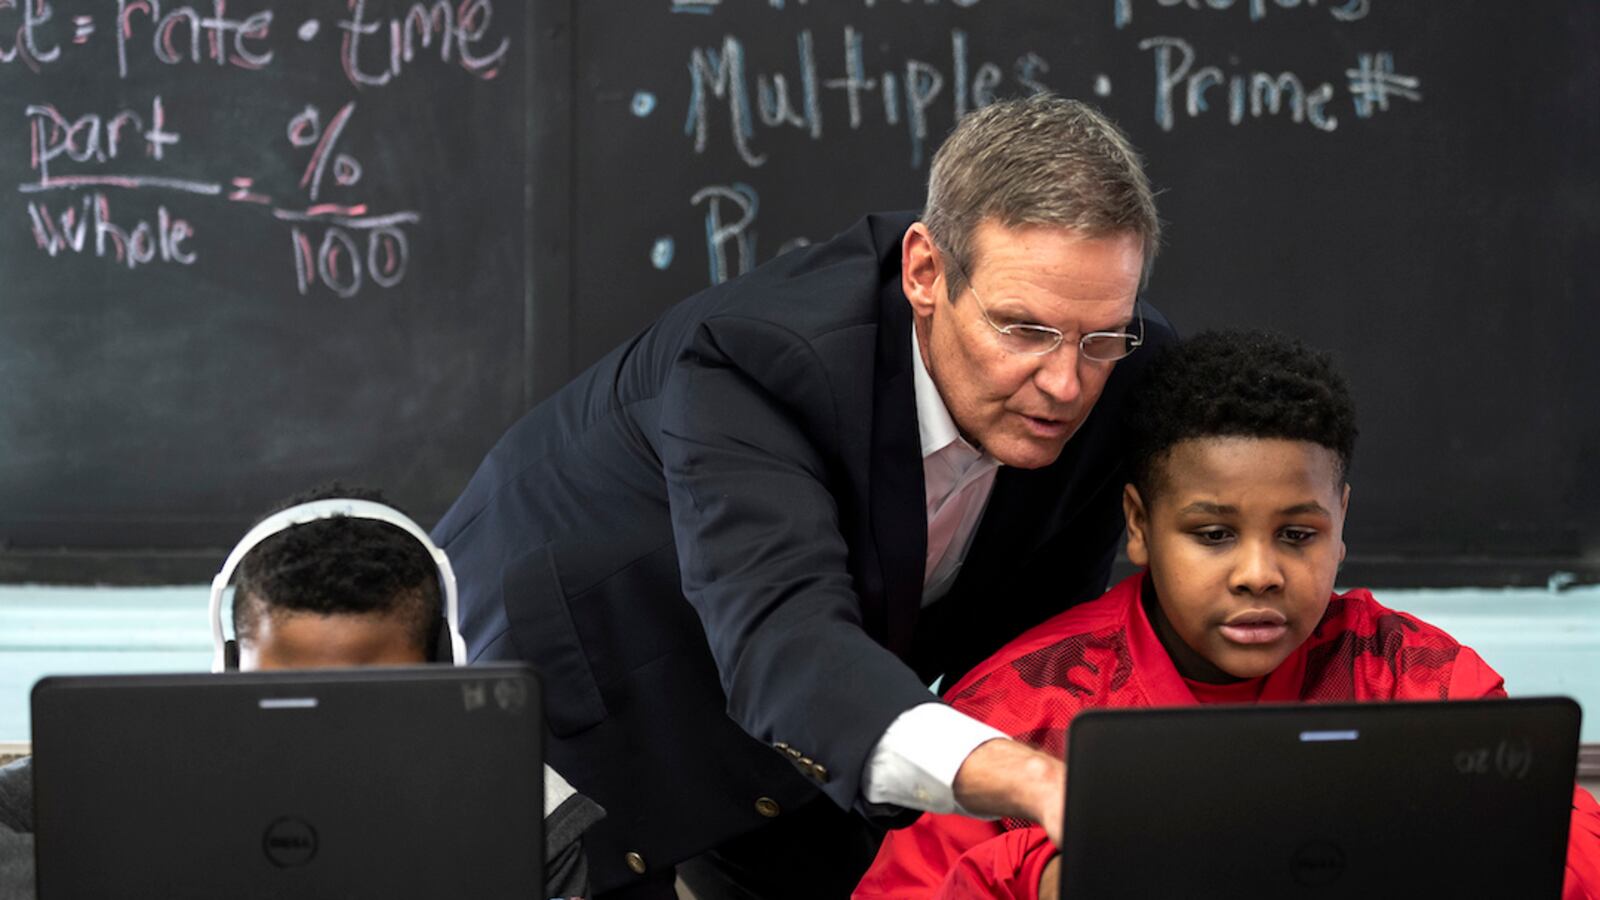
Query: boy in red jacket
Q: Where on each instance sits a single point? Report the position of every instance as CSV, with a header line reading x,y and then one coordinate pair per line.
x,y
1240,444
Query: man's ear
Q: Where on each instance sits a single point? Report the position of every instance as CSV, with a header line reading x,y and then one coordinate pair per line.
x,y
921,271
1138,526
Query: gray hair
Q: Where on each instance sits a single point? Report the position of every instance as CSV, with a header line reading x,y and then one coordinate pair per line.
x,y
1043,160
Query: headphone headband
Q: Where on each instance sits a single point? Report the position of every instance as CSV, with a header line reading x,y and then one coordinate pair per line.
x,y
334,508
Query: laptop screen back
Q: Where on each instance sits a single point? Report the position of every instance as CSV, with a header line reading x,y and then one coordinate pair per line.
x,y
385,783
1359,800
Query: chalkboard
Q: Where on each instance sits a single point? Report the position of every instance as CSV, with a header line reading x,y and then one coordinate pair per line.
x,y
248,247
1413,184
1409,183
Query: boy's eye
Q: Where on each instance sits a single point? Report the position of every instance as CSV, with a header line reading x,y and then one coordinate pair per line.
x,y
1298,535
1212,535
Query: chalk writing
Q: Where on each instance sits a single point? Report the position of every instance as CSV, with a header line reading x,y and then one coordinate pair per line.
x,y
305,130
662,252
90,137
337,260
720,78
1374,81
1246,94
720,232
748,97
706,7
26,45
695,7
459,31
182,34
1341,10
69,231
337,242
1254,94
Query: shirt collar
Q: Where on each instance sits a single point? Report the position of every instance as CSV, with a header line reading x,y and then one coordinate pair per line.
x,y
938,430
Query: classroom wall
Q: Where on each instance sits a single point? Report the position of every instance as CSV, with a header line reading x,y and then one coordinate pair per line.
x,y
1542,641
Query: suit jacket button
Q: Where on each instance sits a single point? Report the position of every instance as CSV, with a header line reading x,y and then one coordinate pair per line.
x,y
821,772
781,745
807,762
768,807
636,863
792,752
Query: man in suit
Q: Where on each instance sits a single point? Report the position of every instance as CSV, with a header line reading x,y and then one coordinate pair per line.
x,y
741,546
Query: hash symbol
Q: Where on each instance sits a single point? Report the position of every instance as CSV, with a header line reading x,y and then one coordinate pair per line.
x,y
1375,82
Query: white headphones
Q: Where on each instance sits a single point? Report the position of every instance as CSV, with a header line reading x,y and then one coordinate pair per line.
x,y
329,509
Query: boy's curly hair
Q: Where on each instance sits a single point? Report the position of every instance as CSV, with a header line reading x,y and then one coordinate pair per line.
x,y
340,566
1252,384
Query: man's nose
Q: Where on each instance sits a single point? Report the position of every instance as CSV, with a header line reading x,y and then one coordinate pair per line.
x,y
1057,375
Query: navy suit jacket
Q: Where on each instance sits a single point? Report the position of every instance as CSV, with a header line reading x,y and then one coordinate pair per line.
x,y
711,545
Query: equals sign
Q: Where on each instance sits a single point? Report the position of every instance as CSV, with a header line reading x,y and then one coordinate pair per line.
x,y
85,26
243,194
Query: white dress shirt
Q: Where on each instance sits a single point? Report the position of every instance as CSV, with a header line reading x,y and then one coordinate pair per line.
x,y
915,762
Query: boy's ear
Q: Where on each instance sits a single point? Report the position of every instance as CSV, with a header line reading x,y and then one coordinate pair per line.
x,y
1344,510
1138,525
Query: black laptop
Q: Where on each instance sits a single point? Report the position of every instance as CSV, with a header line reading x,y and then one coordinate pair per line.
x,y
1460,799
392,783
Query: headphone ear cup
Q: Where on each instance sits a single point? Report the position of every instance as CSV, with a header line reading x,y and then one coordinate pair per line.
x,y
230,656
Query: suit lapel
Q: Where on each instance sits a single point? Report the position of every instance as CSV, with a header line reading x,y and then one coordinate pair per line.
x,y
899,518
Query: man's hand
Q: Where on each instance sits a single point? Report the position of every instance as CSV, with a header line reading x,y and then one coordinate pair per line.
x,y
1007,778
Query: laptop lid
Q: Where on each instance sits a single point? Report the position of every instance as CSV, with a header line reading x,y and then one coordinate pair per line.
x,y
1458,799
387,783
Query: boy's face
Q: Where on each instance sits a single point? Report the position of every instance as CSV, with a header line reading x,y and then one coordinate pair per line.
x,y
1243,539
304,640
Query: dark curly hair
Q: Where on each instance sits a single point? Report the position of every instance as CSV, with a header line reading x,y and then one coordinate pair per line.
x,y
340,566
1237,384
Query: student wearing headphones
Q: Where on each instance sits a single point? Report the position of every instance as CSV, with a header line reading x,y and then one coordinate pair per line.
x,y
334,578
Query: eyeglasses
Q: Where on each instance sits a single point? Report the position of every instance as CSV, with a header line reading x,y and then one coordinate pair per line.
x,y
1037,340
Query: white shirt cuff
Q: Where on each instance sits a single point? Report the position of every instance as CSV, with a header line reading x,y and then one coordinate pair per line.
x,y
556,790
914,764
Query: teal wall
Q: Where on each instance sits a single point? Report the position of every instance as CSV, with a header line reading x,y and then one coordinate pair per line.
x,y
1543,642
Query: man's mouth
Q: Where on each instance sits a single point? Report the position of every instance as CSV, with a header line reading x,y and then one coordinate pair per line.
x,y
1046,427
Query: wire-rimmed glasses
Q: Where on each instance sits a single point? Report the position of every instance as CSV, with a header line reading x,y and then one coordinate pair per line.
x,y
1031,339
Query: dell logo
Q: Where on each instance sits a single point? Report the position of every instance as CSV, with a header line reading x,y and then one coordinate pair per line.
x,y
1317,863
289,842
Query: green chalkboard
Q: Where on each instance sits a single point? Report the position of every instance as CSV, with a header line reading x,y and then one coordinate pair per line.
x,y
246,248
1410,183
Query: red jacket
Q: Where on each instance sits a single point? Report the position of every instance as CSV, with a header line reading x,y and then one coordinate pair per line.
x,y
1105,653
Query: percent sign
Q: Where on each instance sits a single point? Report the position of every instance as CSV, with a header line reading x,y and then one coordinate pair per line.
x,y
306,129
